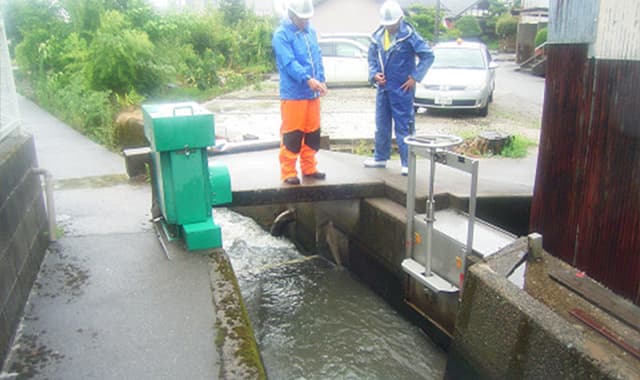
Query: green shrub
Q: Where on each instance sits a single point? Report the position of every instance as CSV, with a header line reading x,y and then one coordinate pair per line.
x,y
68,97
507,26
83,60
121,59
517,147
541,37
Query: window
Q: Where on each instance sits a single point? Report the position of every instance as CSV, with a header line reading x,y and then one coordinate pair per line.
x,y
459,58
348,51
328,49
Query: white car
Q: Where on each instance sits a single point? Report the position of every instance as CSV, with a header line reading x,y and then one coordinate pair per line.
x,y
345,62
362,38
462,77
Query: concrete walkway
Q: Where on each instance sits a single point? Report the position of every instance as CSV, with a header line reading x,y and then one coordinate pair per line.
x,y
108,303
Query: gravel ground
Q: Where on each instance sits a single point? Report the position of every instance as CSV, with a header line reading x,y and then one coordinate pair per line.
x,y
348,113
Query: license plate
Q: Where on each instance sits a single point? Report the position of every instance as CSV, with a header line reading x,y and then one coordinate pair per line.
x,y
443,100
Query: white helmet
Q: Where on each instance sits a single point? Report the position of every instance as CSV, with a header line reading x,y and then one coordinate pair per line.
x,y
390,13
301,8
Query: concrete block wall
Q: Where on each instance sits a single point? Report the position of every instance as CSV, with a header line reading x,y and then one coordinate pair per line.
x,y
503,333
23,231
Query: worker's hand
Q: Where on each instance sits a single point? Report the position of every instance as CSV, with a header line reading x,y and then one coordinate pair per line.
x,y
324,90
380,79
408,85
316,86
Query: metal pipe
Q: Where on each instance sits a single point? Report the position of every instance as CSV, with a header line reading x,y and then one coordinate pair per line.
x,y
430,211
472,208
51,210
411,202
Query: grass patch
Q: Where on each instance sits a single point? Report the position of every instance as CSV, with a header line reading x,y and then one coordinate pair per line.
x,y
517,147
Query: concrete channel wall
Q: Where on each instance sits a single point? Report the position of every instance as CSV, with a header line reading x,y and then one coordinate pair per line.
x,y
503,333
495,331
23,231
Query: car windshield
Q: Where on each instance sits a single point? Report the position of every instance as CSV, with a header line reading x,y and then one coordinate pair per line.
x,y
458,58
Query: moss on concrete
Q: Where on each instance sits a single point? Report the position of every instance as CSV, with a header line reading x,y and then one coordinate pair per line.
x,y
235,340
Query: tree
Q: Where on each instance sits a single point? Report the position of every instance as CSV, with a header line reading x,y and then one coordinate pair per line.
x,y
506,29
121,58
423,19
24,17
496,9
233,11
507,26
469,27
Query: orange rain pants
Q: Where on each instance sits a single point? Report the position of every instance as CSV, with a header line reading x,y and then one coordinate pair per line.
x,y
299,136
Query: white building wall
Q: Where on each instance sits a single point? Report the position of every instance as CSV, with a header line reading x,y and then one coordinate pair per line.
x,y
535,4
9,112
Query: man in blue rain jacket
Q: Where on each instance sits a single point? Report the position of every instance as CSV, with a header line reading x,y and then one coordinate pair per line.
x,y
393,67
302,82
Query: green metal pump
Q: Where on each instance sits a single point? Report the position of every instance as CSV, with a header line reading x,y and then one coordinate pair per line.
x,y
186,184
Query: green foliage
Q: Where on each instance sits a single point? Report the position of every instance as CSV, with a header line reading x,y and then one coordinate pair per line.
x,y
90,111
233,11
541,37
24,17
130,99
496,9
468,27
120,58
84,60
423,19
517,147
507,26
84,16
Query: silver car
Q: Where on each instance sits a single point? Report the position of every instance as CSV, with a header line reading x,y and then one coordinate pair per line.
x,y
462,77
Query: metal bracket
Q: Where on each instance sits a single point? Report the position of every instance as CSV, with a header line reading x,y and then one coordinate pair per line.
x,y
433,281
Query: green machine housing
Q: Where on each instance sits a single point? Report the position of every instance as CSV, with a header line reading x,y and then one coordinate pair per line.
x,y
186,184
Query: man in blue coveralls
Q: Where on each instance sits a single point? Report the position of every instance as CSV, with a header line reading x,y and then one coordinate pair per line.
x,y
392,66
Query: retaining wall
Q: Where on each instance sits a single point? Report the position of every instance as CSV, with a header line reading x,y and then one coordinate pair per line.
x,y
23,231
502,332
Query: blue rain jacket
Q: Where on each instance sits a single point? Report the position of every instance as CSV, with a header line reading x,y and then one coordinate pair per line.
x,y
298,58
392,103
399,61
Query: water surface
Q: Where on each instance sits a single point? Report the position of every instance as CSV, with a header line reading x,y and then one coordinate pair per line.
x,y
314,320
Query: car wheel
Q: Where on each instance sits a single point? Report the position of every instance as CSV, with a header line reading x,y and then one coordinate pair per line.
x,y
484,111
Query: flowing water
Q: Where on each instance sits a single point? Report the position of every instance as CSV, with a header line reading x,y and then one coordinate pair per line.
x,y
314,320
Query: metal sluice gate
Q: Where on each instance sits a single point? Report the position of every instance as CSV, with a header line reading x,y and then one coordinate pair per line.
x,y
439,242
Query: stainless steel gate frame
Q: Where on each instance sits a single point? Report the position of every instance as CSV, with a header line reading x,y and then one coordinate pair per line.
x,y
434,148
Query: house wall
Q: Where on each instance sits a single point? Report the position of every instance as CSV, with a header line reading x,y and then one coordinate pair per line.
x,y
586,199
534,3
23,226
525,41
353,16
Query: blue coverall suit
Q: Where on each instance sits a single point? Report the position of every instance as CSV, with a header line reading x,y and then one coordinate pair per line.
x,y
392,103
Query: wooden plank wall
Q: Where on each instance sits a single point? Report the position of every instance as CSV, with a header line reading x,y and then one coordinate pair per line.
x,y
586,199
